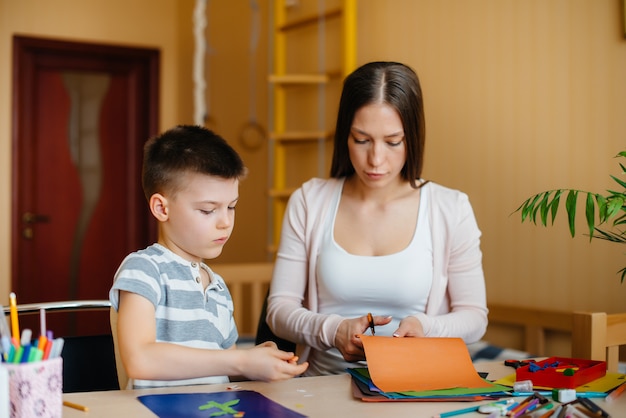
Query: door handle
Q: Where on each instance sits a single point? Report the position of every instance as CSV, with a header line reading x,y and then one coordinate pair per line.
x,y
31,218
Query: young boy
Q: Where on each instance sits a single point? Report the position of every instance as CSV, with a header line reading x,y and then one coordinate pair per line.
x,y
175,321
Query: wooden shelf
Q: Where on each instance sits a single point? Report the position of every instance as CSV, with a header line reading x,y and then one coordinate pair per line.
x,y
309,20
300,136
299,78
300,92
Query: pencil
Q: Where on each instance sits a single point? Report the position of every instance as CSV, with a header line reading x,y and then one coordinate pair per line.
x,y
457,412
617,392
15,326
76,406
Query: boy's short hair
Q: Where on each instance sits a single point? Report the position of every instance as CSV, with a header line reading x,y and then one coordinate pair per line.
x,y
187,148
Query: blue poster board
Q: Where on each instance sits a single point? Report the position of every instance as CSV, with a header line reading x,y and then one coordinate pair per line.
x,y
244,403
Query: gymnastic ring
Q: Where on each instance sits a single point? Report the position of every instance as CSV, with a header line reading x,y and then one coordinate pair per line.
x,y
252,136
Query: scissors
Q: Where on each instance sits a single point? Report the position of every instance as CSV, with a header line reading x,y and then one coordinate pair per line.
x,y
518,363
370,318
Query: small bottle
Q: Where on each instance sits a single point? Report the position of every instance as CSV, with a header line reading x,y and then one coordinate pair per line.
x,y
523,386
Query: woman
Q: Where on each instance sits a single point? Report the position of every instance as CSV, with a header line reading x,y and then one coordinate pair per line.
x,y
375,237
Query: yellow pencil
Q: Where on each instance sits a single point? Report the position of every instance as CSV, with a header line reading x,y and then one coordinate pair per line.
x,y
76,406
15,326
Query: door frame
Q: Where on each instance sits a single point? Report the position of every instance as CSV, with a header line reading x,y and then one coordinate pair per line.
x,y
29,53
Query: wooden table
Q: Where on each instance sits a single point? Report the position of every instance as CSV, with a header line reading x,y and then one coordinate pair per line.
x,y
324,396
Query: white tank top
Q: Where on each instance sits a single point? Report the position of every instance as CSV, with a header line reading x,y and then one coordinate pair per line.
x,y
352,285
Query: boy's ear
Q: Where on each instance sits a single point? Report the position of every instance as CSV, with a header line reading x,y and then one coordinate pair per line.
x,y
158,207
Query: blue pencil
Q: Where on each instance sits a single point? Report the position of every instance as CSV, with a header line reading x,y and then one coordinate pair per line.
x,y
457,412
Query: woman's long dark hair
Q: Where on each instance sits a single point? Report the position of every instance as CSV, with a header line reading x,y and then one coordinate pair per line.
x,y
392,83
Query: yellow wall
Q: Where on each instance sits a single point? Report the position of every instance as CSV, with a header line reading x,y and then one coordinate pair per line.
x,y
233,99
168,26
521,97
144,23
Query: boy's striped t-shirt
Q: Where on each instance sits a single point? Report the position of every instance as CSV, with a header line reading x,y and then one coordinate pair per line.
x,y
185,313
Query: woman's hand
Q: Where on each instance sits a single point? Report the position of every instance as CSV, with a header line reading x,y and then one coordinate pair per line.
x,y
347,341
409,327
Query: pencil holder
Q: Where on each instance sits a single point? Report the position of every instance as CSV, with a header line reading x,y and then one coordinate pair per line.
x,y
36,389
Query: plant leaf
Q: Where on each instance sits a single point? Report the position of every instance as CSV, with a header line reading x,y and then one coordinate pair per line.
x,y
554,206
602,208
614,206
619,238
544,208
537,206
570,205
620,182
527,207
590,214
610,206
621,220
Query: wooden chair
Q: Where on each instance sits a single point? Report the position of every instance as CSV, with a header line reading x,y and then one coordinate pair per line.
x,y
248,284
597,336
534,324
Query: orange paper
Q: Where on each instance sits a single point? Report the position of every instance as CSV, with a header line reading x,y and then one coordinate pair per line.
x,y
417,364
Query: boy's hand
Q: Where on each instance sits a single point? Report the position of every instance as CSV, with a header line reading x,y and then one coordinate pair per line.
x,y
266,362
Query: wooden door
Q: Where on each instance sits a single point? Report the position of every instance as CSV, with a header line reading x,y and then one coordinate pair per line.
x,y
81,115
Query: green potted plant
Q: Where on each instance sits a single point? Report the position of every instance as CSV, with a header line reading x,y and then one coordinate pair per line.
x,y
605,214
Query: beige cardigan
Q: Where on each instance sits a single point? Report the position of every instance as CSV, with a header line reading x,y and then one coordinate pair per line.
x,y
456,306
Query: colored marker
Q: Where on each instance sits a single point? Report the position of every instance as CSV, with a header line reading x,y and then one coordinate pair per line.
x,y
5,338
593,407
522,406
525,408
25,354
47,349
11,354
541,411
37,354
4,327
26,336
557,411
42,322
41,344
57,347
17,357
465,410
